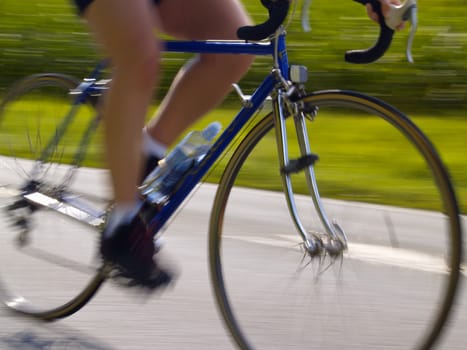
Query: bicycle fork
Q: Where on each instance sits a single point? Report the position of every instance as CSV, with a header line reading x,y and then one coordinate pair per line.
x,y
333,241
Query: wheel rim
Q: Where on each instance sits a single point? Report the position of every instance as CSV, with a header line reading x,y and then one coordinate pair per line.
x,y
240,325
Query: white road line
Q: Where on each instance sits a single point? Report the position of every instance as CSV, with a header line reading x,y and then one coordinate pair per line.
x,y
375,254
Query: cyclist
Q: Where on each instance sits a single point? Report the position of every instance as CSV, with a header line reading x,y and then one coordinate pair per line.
x,y
125,29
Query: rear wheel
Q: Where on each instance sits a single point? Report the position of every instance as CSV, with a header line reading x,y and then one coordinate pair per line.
x,y
389,191
46,259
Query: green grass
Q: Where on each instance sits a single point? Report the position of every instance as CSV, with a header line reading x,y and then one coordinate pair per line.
x,y
48,36
25,132
360,159
368,156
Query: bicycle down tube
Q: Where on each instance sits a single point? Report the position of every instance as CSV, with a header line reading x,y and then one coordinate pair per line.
x,y
254,103
275,48
92,86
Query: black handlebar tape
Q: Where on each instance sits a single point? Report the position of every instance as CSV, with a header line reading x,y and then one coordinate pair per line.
x,y
381,45
278,10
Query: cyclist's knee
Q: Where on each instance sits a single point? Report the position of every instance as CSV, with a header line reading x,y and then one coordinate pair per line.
x,y
233,67
243,63
141,64
240,65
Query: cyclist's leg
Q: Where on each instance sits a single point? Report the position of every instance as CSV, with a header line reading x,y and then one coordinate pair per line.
x,y
126,33
204,81
125,30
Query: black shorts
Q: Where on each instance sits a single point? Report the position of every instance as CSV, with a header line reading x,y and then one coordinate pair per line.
x,y
83,4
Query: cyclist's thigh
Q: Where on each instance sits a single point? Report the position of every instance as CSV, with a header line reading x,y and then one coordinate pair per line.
x,y
202,19
82,5
120,25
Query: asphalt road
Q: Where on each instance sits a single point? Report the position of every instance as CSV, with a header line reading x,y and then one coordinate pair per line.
x,y
185,316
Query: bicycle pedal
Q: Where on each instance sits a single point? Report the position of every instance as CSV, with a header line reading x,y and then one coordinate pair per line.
x,y
297,165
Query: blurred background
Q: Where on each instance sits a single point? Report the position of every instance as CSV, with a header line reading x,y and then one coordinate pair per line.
x,y
48,36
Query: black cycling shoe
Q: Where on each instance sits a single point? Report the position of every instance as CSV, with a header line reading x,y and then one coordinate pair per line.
x,y
130,248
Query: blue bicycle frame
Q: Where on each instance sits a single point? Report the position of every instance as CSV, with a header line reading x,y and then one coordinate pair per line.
x,y
275,48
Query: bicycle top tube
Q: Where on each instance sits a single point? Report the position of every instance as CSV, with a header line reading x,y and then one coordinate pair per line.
x,y
276,48
219,47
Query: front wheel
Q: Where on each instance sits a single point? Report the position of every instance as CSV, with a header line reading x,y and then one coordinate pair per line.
x,y
383,183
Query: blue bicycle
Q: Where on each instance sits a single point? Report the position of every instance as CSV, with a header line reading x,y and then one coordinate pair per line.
x,y
331,234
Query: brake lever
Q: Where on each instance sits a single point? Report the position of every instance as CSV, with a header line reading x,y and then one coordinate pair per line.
x,y
305,16
413,18
397,14
404,12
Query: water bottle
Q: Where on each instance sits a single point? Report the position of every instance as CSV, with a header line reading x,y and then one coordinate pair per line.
x,y
160,183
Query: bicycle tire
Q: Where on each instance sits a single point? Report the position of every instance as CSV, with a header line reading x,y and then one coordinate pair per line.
x,y
37,278
375,310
